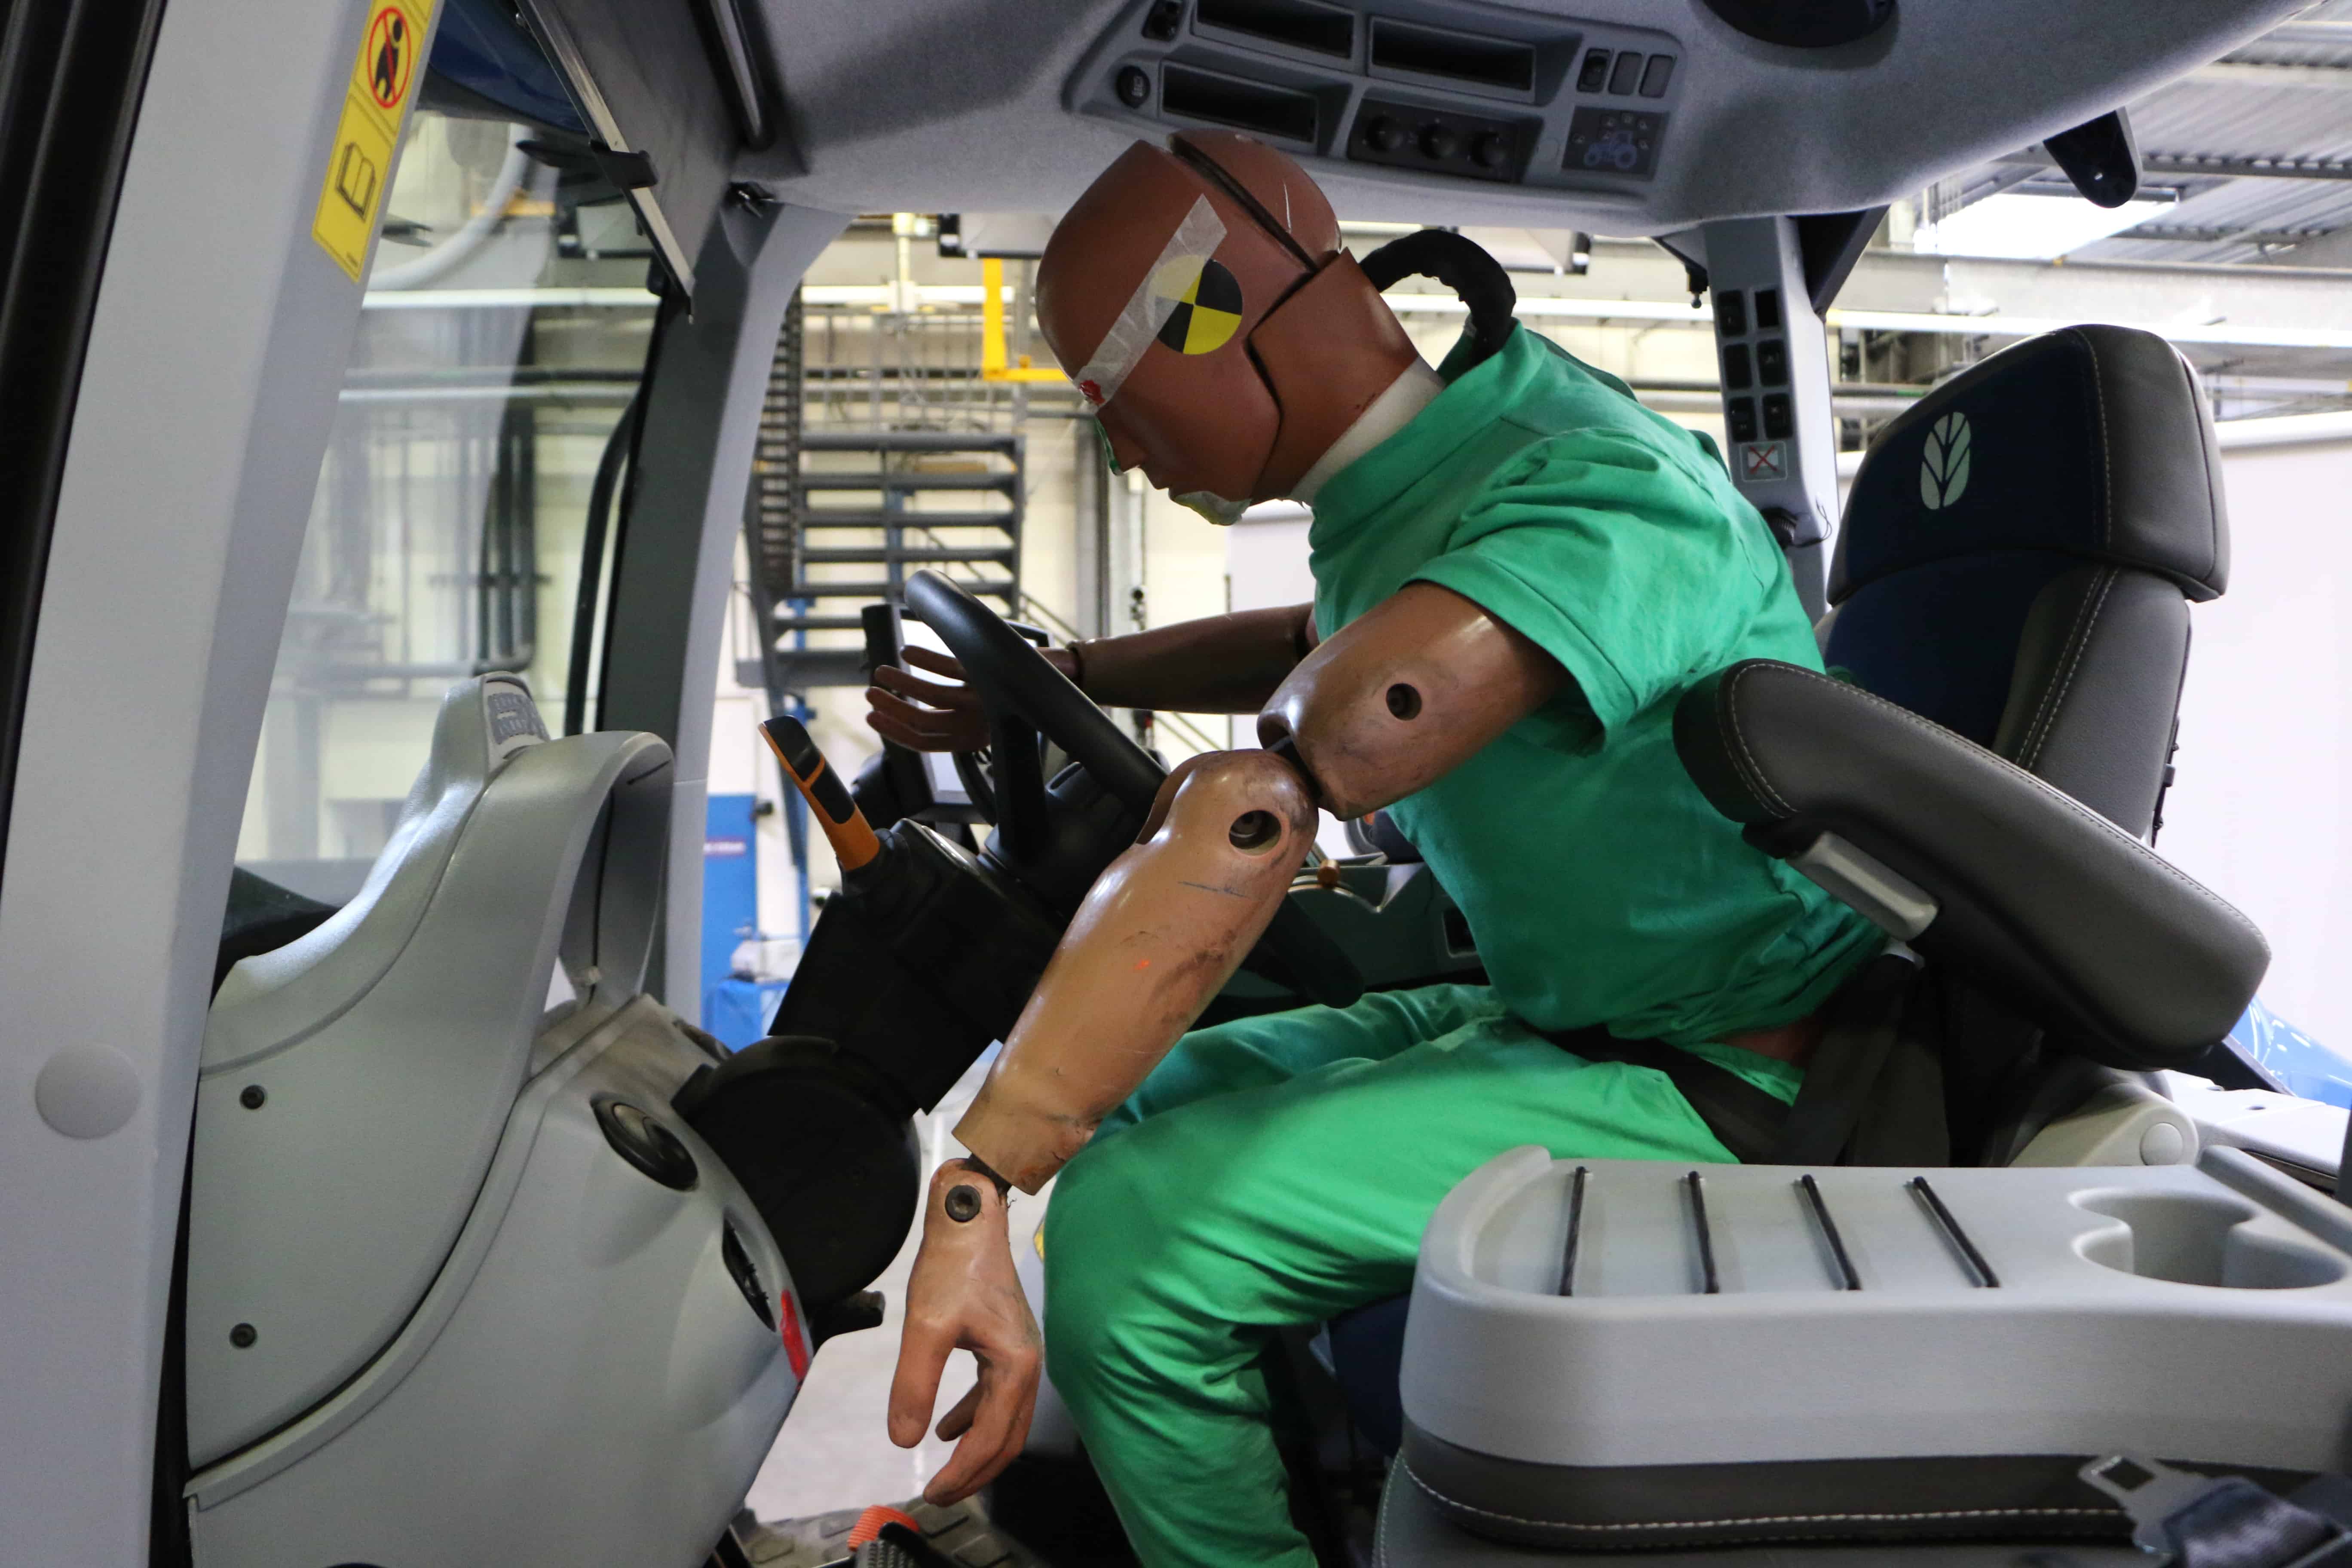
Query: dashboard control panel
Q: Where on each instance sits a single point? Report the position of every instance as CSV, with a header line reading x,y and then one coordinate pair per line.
x,y
1476,146
1458,88
1754,365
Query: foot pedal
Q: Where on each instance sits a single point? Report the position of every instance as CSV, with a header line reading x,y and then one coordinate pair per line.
x,y
898,1545
868,1528
913,1534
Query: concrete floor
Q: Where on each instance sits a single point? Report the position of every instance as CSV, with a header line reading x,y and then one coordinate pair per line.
x,y
834,1451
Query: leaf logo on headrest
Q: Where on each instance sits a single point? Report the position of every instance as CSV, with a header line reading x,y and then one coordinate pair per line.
x,y
1943,468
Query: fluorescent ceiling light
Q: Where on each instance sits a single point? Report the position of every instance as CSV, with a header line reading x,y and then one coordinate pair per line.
x,y
2024,227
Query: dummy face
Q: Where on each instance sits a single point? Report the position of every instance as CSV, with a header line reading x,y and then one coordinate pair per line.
x,y
1198,298
1170,468
1165,461
1148,294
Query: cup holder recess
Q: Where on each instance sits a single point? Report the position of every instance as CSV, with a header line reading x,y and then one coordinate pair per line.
x,y
2196,1239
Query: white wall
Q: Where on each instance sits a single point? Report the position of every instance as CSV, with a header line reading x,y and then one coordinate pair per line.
x,y
2259,812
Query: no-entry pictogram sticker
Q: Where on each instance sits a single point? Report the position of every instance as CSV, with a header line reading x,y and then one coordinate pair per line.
x,y
390,55
1760,460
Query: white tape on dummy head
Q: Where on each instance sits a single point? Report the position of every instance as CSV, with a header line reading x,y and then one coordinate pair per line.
x,y
1148,309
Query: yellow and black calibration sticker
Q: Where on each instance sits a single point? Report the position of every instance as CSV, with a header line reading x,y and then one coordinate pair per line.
x,y
374,100
1208,303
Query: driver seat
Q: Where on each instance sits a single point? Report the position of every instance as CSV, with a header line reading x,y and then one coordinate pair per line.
x,y
2010,590
2019,554
2012,580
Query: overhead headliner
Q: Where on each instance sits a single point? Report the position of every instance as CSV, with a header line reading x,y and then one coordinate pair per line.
x,y
949,105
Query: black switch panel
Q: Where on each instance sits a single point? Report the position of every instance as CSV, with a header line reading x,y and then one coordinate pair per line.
x,y
1779,423
1730,313
1595,74
1657,76
1767,310
1628,72
1739,417
1735,368
1772,360
1613,142
1474,146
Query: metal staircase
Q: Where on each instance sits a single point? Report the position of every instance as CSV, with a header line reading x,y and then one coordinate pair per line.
x,y
829,535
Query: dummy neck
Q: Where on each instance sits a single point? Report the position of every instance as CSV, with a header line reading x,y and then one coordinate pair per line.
x,y
1389,412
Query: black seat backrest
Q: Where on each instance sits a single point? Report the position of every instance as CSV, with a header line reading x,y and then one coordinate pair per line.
x,y
2018,553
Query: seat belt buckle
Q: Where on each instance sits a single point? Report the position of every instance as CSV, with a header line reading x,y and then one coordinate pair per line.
x,y
2218,1521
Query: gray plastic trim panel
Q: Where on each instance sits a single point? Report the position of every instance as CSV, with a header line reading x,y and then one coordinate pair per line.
x,y
218,1482
2090,1326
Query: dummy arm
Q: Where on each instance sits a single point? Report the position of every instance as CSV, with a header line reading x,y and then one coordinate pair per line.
x,y
1402,696
1162,929
1222,664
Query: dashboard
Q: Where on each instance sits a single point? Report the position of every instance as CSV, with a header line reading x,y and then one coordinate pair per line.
x,y
1474,92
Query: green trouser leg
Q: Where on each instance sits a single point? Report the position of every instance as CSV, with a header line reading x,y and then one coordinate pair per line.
x,y
1280,1170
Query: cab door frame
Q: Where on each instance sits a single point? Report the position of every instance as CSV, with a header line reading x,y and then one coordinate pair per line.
x,y
216,346
218,336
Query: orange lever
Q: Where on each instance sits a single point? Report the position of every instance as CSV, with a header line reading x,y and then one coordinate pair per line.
x,y
853,843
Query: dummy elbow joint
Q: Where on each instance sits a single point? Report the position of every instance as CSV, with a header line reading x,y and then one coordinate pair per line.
x,y
1402,697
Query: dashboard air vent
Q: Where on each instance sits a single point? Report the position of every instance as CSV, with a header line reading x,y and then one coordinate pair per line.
x,y
1252,105
1460,57
1300,24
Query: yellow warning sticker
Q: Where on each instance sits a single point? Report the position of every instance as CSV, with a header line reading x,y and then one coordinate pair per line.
x,y
374,100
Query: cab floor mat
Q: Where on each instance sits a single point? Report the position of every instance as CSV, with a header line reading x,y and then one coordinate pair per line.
x,y
962,1533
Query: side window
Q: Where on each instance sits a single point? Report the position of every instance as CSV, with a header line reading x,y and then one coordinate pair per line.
x,y
505,329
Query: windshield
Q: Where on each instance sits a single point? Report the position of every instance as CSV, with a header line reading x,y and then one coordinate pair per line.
x,y
505,329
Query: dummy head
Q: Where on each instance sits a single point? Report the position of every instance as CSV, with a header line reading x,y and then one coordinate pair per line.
x,y
1200,298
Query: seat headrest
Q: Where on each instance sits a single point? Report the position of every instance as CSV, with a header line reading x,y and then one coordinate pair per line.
x,y
2092,441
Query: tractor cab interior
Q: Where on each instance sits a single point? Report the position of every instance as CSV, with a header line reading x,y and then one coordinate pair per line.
x,y
395,1203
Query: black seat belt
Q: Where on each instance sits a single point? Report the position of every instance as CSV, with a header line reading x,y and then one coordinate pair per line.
x,y
1744,1119
1862,1064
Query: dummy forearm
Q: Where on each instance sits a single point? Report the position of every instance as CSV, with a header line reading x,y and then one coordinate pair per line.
x,y
1159,934
1402,695
1222,664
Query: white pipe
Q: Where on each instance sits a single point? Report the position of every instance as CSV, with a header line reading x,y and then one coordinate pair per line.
x,y
626,299
470,236
1566,308
2284,430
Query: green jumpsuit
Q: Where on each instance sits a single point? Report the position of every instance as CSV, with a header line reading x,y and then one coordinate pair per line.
x,y
1279,1170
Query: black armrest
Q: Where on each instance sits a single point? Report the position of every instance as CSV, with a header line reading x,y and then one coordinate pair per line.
x,y
2035,897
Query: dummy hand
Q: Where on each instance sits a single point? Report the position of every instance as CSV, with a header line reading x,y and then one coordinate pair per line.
x,y
965,1296
929,717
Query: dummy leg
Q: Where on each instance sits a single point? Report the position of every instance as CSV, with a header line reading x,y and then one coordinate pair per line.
x,y
1177,1241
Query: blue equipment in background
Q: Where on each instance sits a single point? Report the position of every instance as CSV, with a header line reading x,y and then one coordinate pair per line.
x,y
2307,1069
736,1006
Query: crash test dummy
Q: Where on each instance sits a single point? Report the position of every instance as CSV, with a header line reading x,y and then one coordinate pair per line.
x,y
1517,570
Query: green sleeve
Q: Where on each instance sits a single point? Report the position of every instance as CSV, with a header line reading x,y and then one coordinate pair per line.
x,y
1628,568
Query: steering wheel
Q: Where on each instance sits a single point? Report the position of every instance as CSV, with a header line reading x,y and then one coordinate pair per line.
x,y
1024,696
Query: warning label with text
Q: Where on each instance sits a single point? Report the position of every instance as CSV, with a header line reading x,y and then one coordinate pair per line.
x,y
392,50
